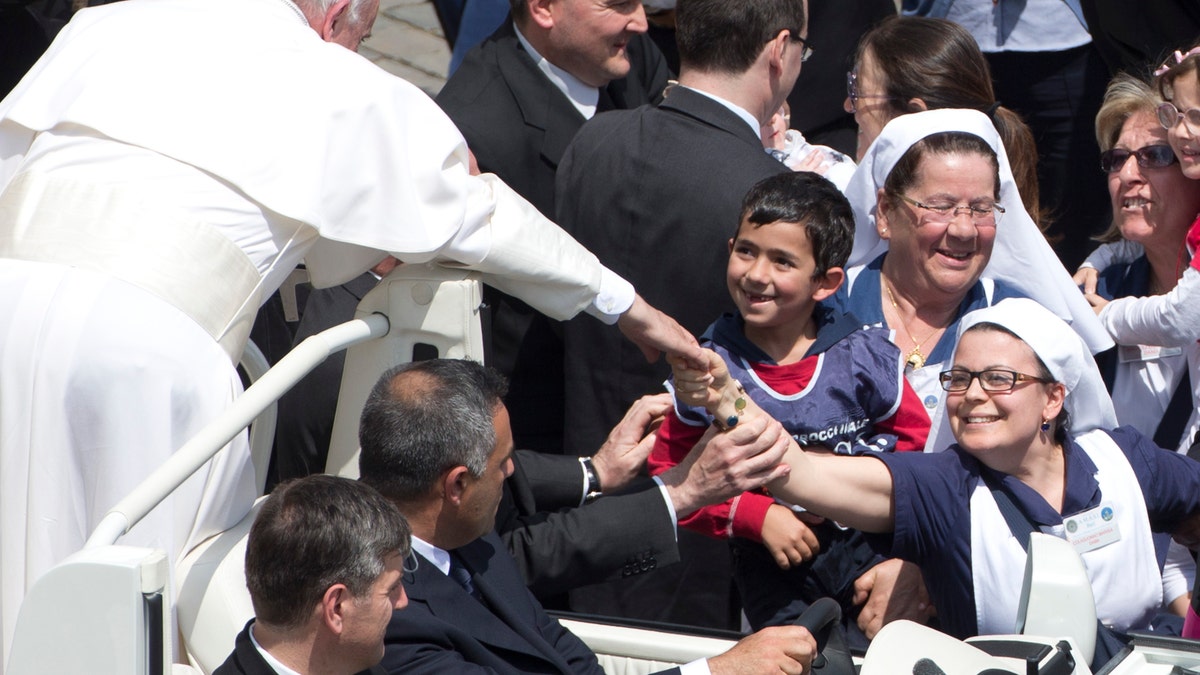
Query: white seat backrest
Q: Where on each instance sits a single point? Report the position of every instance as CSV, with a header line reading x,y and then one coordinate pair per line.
x,y
213,604
1056,596
427,305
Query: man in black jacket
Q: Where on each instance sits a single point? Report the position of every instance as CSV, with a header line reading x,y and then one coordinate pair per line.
x,y
436,441
323,566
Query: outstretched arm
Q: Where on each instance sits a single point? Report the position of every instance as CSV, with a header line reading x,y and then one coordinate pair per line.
x,y
855,491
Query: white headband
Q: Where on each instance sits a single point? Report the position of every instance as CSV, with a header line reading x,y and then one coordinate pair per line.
x,y
1020,258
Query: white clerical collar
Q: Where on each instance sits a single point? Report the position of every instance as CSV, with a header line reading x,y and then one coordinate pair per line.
x,y
741,112
439,557
296,10
583,96
271,660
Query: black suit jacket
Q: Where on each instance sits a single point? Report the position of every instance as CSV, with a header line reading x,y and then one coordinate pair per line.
x,y
306,412
245,659
445,630
559,545
518,124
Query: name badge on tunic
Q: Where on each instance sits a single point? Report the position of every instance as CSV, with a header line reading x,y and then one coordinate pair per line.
x,y
1139,353
1092,529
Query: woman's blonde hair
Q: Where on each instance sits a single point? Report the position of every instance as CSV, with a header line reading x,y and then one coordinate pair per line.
x,y
1125,97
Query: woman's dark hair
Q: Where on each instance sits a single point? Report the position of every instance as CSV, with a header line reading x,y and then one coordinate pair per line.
x,y
1062,423
904,175
939,62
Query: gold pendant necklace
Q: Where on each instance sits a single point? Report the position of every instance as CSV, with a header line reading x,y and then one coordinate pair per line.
x,y
915,358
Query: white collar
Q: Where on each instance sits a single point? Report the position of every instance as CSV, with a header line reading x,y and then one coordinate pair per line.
x,y
583,96
271,660
736,109
300,13
439,557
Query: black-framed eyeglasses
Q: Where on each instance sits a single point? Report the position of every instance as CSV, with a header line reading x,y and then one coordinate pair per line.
x,y
1169,116
854,96
958,380
806,51
1148,157
981,214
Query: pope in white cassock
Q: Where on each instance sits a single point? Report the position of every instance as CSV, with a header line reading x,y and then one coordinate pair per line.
x,y
164,167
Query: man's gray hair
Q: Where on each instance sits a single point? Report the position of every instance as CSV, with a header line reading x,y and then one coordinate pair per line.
x,y
425,418
312,533
354,12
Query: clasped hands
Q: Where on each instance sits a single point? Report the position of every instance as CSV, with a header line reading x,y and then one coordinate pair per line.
x,y
710,387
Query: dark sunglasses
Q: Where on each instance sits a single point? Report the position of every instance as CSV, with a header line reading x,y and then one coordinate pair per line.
x,y
1149,157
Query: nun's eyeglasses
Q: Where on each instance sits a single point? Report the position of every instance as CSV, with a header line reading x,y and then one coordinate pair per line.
x,y
993,379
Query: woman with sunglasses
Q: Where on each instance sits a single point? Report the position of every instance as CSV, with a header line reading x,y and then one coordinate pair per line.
x,y
907,64
1170,320
1033,429
1153,204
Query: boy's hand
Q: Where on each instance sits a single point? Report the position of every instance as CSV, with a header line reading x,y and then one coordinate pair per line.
x,y
703,386
787,538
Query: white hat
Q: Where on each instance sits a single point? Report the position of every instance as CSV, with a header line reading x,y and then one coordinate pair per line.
x,y
1062,350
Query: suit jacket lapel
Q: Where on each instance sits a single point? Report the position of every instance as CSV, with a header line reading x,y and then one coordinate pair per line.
x,y
507,595
542,105
501,626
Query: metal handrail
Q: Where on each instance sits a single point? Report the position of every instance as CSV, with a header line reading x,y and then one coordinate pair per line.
x,y
263,393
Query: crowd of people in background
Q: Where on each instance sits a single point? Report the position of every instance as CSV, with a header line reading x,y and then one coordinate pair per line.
x,y
914,266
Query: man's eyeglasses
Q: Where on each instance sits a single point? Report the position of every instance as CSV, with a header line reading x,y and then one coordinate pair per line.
x,y
993,379
1149,157
1169,116
854,96
806,51
981,214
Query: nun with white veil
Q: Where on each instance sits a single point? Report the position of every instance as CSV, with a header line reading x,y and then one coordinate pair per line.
x,y
1032,429
940,231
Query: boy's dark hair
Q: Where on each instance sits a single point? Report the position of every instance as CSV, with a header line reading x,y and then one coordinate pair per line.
x,y
726,36
812,201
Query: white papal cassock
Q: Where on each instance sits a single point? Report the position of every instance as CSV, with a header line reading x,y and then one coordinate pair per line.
x,y
164,167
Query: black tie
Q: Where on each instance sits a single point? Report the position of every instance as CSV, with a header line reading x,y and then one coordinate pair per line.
x,y
462,575
605,102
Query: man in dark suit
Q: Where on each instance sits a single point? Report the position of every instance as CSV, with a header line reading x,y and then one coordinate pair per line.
x,y
436,440
655,192
323,566
518,99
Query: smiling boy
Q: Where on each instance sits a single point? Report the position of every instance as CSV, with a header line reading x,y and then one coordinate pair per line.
x,y
830,381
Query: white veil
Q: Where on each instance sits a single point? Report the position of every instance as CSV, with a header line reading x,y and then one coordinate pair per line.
x,y
1021,258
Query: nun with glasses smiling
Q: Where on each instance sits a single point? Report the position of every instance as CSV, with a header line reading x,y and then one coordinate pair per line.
x,y
1033,429
940,230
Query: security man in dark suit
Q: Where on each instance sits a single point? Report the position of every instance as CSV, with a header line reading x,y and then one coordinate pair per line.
x,y
436,440
518,98
323,566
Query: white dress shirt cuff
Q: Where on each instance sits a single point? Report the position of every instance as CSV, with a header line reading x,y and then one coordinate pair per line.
x,y
614,299
699,667
670,509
